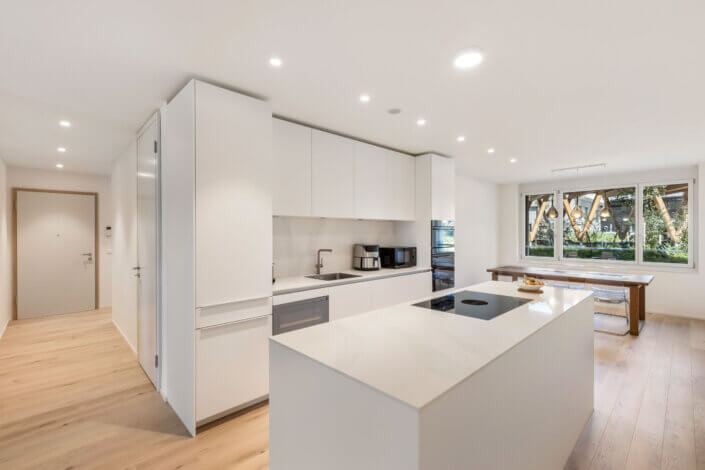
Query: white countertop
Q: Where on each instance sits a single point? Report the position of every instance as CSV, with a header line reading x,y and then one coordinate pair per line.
x,y
286,285
416,354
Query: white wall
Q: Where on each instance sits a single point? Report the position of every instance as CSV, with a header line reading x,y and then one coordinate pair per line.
x,y
124,196
62,180
674,291
5,251
476,229
296,241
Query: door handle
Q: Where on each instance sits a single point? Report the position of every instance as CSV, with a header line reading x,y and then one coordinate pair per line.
x,y
136,268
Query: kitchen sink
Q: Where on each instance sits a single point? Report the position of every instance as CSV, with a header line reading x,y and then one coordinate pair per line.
x,y
332,276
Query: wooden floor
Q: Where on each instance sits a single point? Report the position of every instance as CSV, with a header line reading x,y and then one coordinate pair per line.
x,y
73,396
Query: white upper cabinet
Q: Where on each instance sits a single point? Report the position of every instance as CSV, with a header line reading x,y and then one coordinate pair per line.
x,y
442,188
332,175
371,179
291,147
233,200
400,186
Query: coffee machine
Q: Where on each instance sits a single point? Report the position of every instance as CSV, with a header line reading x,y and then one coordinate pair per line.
x,y
366,257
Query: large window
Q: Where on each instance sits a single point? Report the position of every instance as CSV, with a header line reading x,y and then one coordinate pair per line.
x,y
646,223
540,216
666,223
599,224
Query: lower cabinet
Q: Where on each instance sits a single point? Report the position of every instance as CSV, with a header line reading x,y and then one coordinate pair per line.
x,y
232,366
350,299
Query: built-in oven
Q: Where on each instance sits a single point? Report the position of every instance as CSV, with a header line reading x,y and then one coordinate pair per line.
x,y
300,314
443,254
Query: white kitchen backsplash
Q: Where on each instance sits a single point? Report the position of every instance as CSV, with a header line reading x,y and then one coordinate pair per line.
x,y
297,239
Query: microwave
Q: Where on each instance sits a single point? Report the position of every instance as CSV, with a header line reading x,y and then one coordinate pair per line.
x,y
397,257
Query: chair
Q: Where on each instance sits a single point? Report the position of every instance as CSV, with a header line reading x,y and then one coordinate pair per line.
x,y
610,322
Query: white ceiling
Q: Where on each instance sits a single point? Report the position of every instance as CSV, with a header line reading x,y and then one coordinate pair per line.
x,y
564,83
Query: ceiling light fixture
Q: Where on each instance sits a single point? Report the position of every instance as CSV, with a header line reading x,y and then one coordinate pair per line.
x,y
513,160
65,123
365,98
490,150
577,212
604,213
461,138
59,165
61,149
552,213
421,122
275,62
468,58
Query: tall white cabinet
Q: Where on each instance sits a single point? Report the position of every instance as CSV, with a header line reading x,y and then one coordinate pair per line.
x,y
217,227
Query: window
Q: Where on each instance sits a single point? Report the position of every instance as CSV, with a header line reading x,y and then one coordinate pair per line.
x,y
600,224
540,215
665,214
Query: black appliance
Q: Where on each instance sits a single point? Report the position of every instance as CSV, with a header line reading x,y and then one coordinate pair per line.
x,y
474,304
397,257
443,254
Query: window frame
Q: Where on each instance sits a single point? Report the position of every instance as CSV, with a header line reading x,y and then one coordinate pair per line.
x,y
557,228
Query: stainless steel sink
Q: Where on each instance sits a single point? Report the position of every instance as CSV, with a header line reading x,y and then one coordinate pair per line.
x,y
332,276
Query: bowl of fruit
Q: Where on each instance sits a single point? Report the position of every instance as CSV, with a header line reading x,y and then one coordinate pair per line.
x,y
530,284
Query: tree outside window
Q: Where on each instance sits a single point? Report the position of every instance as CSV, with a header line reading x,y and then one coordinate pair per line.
x,y
540,216
666,223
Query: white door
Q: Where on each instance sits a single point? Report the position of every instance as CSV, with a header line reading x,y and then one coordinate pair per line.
x,y
56,269
146,269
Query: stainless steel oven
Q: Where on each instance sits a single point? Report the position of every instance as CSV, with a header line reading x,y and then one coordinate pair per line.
x,y
443,254
300,314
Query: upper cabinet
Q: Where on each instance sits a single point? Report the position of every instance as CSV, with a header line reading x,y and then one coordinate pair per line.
x,y
442,188
371,175
400,186
291,148
332,175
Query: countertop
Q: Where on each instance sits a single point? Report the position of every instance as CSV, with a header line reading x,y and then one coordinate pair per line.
x,y
286,285
415,354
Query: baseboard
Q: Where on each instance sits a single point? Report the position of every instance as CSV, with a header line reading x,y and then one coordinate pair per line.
x,y
134,349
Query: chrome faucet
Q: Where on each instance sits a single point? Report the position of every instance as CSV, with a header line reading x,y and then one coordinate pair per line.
x,y
319,264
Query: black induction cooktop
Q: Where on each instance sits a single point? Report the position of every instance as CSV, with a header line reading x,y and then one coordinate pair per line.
x,y
474,304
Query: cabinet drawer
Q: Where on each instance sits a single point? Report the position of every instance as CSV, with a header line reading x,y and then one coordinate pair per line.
x,y
232,366
230,312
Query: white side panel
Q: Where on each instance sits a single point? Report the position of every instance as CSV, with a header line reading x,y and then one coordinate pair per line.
x,y
233,197
232,370
178,163
351,299
320,419
400,186
55,253
291,149
370,182
332,175
442,188
418,233
524,410
395,290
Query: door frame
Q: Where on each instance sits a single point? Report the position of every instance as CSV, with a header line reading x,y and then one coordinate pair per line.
x,y
96,228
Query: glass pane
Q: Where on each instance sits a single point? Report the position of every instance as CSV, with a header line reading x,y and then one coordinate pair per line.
x,y
599,224
666,223
540,216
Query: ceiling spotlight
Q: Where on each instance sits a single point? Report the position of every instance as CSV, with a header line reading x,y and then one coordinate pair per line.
x,y
275,62
461,138
468,58
421,122
512,160
490,150
61,149
365,98
59,165
65,123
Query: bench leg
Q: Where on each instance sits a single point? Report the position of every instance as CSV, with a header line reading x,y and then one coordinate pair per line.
x,y
634,308
642,303
495,277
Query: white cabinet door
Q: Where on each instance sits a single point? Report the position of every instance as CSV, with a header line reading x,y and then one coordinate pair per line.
x,y
332,175
232,366
370,182
400,186
399,289
233,197
442,188
350,299
291,149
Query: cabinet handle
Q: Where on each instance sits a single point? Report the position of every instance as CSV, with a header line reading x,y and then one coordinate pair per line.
x,y
235,322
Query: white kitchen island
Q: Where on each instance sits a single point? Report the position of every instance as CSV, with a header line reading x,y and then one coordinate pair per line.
x,y
407,387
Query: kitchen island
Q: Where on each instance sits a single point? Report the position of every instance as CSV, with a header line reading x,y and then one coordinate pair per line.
x,y
410,387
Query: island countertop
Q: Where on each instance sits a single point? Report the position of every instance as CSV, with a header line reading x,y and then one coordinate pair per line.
x,y
415,354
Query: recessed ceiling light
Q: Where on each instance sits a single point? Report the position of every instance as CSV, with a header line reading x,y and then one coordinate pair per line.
x,y
468,58
490,150
65,123
365,98
461,138
59,165
421,122
61,149
275,62
512,160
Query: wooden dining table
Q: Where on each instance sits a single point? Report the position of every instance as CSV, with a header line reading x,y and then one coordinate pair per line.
x,y
636,283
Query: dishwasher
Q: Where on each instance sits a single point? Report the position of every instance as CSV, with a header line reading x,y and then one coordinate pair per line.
x,y
300,314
